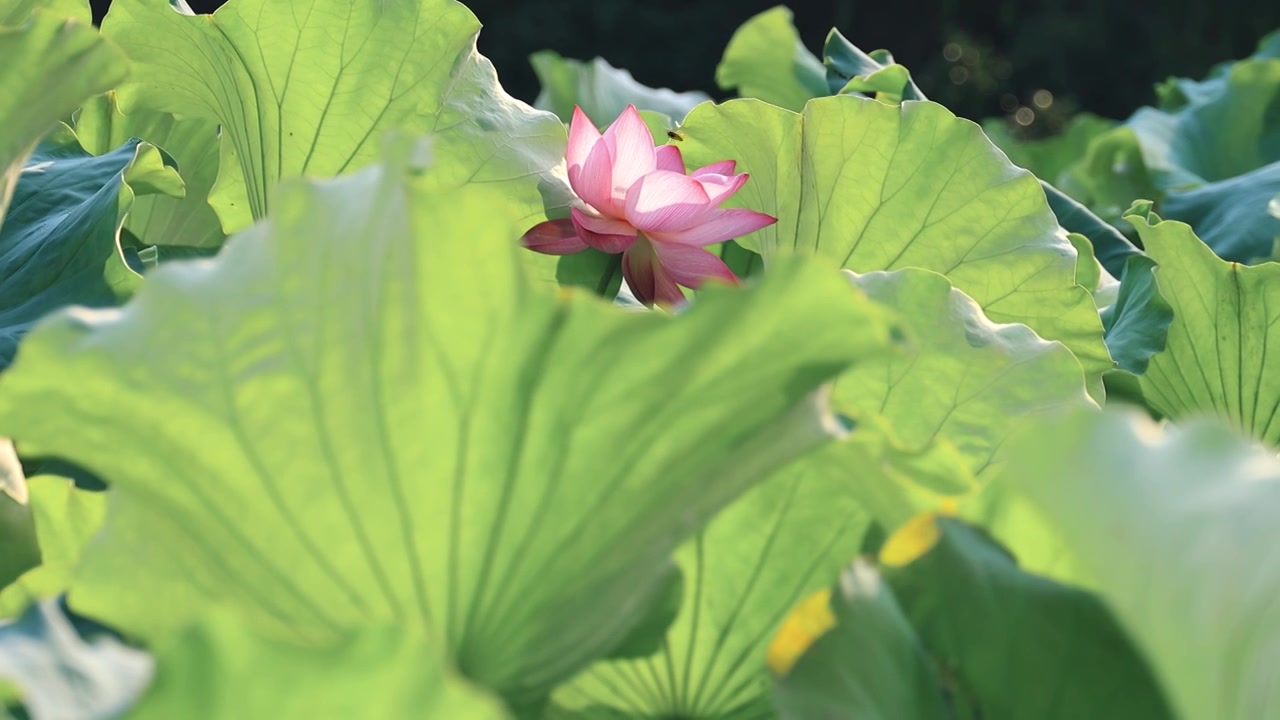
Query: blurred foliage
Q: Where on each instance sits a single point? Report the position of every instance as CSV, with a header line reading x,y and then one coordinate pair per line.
x,y
980,59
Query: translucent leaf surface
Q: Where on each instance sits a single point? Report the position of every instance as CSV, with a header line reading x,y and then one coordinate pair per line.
x,y
869,186
229,673
1218,358
394,439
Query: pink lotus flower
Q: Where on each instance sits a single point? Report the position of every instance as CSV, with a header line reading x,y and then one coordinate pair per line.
x,y
640,202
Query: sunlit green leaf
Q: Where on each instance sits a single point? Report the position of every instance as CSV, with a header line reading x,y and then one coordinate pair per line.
x,y
161,219
869,186
778,543
16,12
931,423
1218,357
400,427
309,88
226,671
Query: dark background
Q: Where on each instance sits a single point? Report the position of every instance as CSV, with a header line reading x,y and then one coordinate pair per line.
x,y
1098,55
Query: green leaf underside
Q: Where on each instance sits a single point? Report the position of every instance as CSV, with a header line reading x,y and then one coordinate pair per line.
x,y
395,441
781,541
1177,525
1219,357
47,68
931,423
224,669
58,246
870,186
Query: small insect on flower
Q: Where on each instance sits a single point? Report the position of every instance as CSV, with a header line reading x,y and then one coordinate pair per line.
x,y
675,135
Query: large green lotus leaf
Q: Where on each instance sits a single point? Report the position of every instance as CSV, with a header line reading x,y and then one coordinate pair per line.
x,y
1209,151
932,423
1231,216
220,669
848,69
160,219
766,59
871,186
48,66
401,427
602,90
861,659
1013,644
59,246
16,12
63,667
1176,93
1227,130
65,518
1223,350
780,542
1177,524
310,87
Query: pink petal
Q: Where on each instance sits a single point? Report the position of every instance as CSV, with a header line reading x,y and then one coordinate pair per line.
x,y
583,136
647,278
611,236
631,145
719,225
593,182
724,167
665,201
554,237
689,265
601,224
669,158
721,187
